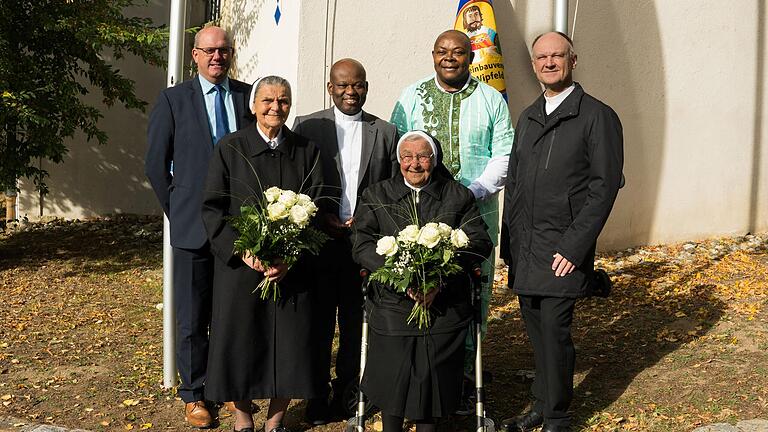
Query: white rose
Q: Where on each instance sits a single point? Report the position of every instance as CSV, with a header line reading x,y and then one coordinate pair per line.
x,y
272,194
309,207
277,210
299,215
429,235
459,238
409,234
386,246
288,198
303,200
445,230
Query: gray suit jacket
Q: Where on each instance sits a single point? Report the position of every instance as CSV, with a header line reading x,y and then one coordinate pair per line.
x,y
378,159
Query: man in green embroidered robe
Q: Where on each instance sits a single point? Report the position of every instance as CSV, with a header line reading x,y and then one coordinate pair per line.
x,y
471,121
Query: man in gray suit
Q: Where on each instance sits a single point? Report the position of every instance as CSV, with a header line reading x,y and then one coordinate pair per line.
x,y
357,149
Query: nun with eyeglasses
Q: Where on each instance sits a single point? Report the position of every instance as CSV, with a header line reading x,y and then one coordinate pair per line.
x,y
260,349
417,373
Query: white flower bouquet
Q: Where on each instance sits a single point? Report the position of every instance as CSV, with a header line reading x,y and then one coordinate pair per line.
x,y
421,258
277,228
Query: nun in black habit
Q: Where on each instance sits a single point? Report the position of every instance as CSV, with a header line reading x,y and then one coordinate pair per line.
x,y
260,349
417,373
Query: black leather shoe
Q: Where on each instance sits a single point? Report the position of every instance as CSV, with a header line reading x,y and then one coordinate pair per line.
x,y
555,428
317,412
524,423
600,285
248,429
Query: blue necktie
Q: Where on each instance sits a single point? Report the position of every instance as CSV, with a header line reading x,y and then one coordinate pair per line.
x,y
222,123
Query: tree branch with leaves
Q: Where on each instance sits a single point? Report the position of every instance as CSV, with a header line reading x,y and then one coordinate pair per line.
x,y
52,53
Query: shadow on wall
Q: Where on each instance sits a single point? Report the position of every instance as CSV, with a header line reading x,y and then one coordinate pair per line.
x,y
757,162
96,180
620,63
240,19
522,86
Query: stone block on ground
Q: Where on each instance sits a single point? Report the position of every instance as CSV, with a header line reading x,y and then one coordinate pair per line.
x,y
717,427
756,425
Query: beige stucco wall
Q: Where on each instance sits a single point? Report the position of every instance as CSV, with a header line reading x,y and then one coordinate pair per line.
x,y
254,29
687,78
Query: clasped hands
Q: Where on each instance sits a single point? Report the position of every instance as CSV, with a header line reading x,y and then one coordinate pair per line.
x,y
275,273
335,227
426,300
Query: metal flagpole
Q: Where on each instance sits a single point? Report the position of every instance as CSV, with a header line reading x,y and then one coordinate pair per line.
x,y
177,21
561,16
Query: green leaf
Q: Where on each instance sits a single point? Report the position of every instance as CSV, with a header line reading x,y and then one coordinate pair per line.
x,y
52,55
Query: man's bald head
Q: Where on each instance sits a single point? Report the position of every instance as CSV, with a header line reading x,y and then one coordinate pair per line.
x,y
555,35
456,35
347,65
212,32
347,85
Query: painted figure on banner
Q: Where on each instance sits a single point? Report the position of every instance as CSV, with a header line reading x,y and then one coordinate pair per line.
x,y
477,20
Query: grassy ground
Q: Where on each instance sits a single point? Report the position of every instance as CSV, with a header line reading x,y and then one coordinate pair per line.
x,y
682,341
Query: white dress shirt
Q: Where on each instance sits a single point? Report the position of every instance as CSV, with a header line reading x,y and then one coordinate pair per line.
x,y
349,135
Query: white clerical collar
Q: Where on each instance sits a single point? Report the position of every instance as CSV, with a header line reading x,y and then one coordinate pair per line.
x,y
417,189
277,140
464,87
556,100
341,117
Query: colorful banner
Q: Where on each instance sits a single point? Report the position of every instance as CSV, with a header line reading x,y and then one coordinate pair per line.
x,y
477,20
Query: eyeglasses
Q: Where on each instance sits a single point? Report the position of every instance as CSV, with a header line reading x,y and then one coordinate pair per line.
x,y
421,158
209,51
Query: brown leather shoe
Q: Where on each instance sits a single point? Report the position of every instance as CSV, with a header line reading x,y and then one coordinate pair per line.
x,y
197,414
229,406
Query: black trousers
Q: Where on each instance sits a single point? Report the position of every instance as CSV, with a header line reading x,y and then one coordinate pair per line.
x,y
192,286
548,323
340,295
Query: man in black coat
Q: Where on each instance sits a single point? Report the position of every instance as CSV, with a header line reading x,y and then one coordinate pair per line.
x,y
564,174
357,149
185,124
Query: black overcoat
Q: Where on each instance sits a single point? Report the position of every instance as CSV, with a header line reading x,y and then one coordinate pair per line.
x,y
259,348
564,174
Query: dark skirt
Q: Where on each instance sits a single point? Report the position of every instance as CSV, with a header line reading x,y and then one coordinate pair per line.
x,y
417,377
261,349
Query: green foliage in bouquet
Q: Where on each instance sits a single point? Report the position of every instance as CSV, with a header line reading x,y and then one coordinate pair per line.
x,y
277,229
420,258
